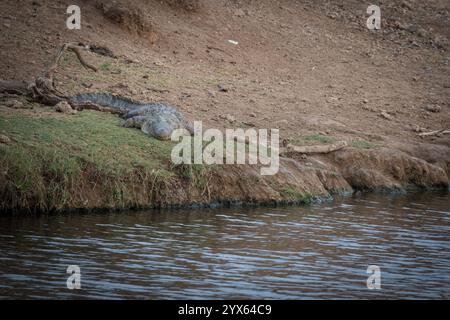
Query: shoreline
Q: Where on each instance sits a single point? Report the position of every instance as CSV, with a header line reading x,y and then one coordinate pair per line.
x,y
56,162
227,204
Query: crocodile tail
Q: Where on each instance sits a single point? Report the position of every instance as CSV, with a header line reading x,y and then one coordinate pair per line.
x,y
105,100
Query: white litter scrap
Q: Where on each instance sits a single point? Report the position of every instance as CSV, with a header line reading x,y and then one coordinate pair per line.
x,y
233,42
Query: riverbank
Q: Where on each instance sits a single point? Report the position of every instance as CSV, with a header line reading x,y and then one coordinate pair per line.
x,y
55,162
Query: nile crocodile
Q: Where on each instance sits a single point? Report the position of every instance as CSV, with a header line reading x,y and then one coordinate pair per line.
x,y
156,119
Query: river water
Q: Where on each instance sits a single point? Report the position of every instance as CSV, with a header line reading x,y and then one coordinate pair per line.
x,y
318,251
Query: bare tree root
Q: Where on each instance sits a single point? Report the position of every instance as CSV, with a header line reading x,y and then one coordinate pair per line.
x,y
42,89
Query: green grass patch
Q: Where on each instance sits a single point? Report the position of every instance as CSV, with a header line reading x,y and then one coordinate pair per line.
x,y
319,138
53,155
105,66
362,144
93,136
289,192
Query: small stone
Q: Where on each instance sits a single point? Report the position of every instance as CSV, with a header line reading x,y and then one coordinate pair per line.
x,y
422,32
239,13
129,60
15,104
222,88
253,115
64,107
159,63
433,108
440,42
385,115
228,117
333,15
369,108
415,44
411,28
211,93
332,99
282,122
4,139
406,5
416,128
248,123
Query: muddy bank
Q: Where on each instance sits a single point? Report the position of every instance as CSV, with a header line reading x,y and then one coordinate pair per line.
x,y
300,180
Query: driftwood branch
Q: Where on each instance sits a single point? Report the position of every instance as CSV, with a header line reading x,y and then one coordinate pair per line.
x,y
76,49
314,149
68,47
286,147
434,133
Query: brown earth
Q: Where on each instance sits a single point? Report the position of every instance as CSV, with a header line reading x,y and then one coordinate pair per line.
x,y
305,67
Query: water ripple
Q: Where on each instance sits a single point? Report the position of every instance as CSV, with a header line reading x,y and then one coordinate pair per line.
x,y
321,251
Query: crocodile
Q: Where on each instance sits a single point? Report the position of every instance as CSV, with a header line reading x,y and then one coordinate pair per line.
x,y
158,120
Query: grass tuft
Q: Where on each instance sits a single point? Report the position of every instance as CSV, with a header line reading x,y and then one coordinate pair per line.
x,y
362,144
289,192
319,138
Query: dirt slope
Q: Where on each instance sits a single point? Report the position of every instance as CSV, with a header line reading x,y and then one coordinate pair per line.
x,y
294,67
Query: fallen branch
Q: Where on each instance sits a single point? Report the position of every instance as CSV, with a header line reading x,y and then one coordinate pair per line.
x,y
315,149
434,133
158,90
286,147
69,47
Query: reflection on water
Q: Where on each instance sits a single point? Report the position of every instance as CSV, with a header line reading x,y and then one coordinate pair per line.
x,y
321,251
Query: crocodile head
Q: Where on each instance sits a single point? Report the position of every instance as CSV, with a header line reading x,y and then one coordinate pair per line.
x,y
160,129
